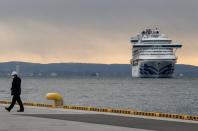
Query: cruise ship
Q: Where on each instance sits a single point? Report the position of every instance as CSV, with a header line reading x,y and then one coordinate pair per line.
x,y
153,55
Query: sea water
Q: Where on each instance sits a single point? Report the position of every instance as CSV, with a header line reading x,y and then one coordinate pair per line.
x,y
174,95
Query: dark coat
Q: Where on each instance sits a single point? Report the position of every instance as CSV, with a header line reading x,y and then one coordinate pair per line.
x,y
16,86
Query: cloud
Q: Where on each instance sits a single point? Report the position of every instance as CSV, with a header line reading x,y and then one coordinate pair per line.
x,y
48,43
91,30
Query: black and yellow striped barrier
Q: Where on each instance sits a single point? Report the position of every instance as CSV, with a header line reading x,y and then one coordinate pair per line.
x,y
110,110
30,104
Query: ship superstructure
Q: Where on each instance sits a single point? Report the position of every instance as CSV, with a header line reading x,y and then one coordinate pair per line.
x,y
153,54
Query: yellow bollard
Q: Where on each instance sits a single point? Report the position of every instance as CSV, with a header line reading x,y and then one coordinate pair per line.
x,y
58,99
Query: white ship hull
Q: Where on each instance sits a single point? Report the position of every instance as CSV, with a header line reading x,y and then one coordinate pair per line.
x,y
153,55
154,69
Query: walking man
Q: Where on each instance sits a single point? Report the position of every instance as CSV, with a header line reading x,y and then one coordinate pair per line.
x,y
16,92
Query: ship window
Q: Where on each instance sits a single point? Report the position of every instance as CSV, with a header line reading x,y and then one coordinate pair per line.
x,y
156,51
156,40
156,54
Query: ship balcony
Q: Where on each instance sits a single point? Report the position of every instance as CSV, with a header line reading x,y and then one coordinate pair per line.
x,y
157,46
154,56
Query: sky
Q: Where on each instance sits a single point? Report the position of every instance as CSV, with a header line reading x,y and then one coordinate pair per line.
x,y
92,31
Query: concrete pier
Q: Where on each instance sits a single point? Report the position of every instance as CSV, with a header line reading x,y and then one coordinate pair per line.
x,y
49,119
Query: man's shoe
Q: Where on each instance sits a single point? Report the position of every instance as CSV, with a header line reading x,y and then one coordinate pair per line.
x,y
20,110
6,108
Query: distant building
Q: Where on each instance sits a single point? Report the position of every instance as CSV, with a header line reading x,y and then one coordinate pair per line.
x,y
29,74
95,74
53,74
181,75
18,68
40,74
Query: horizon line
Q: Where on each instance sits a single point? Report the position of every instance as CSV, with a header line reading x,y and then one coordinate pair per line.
x,y
80,63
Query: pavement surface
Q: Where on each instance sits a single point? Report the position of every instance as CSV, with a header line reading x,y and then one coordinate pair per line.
x,y
45,119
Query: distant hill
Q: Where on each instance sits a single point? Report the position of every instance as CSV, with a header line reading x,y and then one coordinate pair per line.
x,y
186,70
82,69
